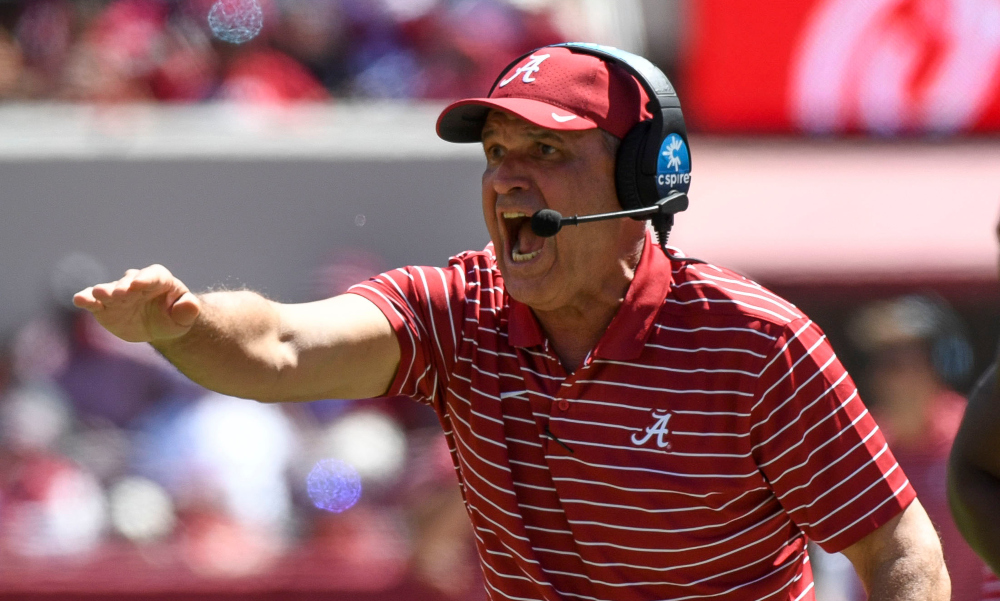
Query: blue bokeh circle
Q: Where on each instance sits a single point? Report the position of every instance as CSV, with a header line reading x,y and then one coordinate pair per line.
x,y
236,21
333,485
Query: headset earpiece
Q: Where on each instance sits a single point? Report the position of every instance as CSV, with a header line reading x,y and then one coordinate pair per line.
x,y
628,166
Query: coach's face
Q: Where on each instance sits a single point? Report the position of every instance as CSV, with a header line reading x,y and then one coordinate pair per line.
x,y
529,168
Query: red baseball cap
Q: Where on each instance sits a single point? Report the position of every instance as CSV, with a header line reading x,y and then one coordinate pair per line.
x,y
554,88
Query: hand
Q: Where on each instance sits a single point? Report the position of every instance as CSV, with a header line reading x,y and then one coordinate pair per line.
x,y
146,305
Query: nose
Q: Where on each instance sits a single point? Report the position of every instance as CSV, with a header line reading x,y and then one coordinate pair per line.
x,y
509,176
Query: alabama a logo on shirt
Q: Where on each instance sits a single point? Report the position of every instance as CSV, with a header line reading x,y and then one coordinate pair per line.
x,y
658,429
532,66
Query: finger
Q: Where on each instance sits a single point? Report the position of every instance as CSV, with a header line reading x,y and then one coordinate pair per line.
x,y
153,280
136,283
154,273
174,293
122,287
84,299
128,278
102,292
185,309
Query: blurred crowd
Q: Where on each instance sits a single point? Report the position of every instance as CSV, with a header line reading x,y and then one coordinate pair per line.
x,y
307,50
106,451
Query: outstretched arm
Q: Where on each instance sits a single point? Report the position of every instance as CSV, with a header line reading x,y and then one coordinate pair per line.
x,y
242,344
902,559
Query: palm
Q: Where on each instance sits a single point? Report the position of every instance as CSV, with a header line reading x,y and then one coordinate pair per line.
x,y
140,320
143,306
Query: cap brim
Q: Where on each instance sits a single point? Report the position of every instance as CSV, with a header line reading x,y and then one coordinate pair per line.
x,y
463,121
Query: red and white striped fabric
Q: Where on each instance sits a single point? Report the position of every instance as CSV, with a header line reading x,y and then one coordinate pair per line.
x,y
709,432
991,585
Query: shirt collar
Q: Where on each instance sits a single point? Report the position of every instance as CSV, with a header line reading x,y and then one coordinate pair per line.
x,y
629,329
523,328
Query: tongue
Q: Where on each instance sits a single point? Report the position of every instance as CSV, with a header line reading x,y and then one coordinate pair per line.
x,y
527,241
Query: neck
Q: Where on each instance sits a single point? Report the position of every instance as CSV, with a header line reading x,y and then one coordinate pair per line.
x,y
574,330
574,335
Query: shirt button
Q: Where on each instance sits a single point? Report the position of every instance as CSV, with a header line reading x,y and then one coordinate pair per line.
x,y
563,405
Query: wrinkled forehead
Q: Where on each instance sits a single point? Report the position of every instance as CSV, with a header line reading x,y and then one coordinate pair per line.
x,y
501,122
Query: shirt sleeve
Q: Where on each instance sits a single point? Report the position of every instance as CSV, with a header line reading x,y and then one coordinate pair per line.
x,y
425,307
819,448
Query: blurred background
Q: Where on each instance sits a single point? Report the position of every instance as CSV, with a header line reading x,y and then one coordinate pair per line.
x,y
845,154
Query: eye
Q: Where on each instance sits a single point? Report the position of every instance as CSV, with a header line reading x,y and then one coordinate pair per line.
x,y
545,149
495,152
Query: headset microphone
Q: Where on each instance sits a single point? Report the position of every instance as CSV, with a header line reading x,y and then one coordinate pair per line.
x,y
547,223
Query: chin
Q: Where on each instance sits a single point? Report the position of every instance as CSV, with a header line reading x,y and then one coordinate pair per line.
x,y
537,297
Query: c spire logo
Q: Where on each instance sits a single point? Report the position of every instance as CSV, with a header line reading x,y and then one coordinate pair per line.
x,y
532,66
659,429
673,167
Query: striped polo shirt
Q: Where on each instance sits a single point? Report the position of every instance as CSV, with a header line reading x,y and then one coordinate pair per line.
x,y
710,431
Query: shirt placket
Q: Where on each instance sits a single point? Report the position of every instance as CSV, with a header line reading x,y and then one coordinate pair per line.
x,y
562,406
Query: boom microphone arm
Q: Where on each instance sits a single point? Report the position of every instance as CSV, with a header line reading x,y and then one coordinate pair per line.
x,y
547,222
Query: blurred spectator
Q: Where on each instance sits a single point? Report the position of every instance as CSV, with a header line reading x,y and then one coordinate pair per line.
x,y
223,462
11,66
444,554
50,505
308,50
269,77
106,381
918,354
117,53
44,33
63,420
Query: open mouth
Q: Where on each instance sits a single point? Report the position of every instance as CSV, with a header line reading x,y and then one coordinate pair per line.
x,y
524,244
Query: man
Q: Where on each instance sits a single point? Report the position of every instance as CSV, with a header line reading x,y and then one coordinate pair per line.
x,y
916,355
623,425
974,470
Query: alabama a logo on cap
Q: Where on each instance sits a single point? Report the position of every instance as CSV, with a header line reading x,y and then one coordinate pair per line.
x,y
532,66
673,168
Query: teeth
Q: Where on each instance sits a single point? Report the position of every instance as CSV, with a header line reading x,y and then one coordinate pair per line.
x,y
519,257
522,257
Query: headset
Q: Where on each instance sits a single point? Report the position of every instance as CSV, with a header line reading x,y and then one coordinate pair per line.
x,y
653,160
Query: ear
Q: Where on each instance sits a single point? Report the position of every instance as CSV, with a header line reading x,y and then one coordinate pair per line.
x,y
627,166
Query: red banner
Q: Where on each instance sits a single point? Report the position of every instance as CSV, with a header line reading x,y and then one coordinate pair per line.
x,y
832,66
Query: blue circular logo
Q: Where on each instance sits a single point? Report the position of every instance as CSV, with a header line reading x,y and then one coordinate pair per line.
x,y
673,167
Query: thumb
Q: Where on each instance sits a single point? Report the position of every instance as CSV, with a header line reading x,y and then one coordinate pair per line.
x,y
185,310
